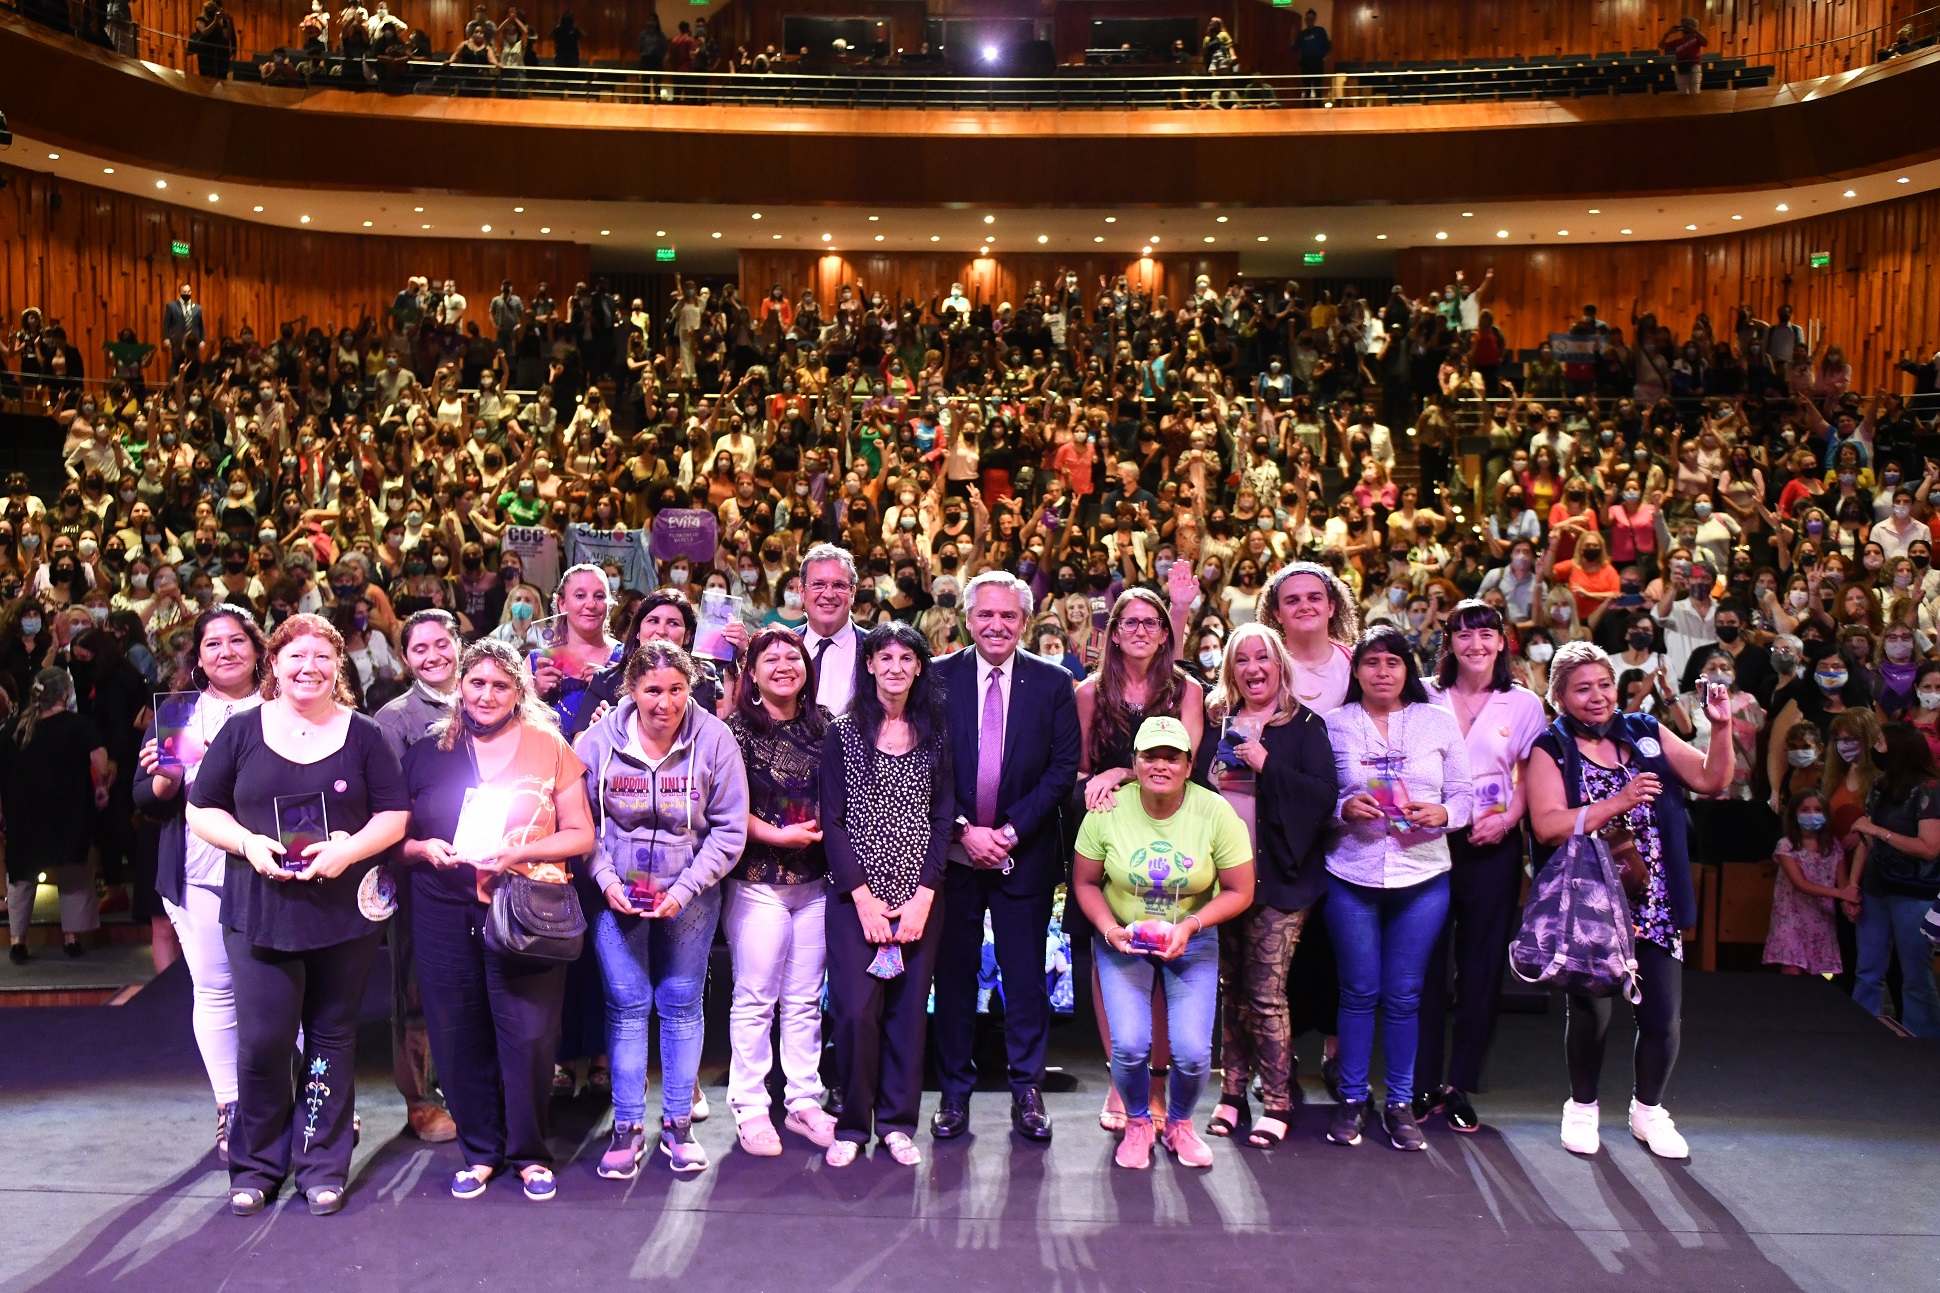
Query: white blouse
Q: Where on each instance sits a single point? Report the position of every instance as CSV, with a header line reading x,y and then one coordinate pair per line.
x,y
1421,760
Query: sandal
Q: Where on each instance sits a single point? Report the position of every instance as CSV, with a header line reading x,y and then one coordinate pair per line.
x,y
246,1202
1109,1118
1242,1115
759,1137
1264,1133
324,1200
903,1149
599,1078
841,1153
539,1183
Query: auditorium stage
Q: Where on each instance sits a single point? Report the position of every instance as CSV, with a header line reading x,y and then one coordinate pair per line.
x,y
1814,1133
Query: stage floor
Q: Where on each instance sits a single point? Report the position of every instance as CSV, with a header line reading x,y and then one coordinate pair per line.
x,y
1814,1134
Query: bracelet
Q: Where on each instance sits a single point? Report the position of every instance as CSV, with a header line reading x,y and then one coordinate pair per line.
x,y
1194,918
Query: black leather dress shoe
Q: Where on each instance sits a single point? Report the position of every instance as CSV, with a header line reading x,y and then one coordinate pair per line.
x,y
949,1121
1028,1116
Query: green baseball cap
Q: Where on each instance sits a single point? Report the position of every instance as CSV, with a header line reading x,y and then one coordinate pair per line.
x,y
1161,732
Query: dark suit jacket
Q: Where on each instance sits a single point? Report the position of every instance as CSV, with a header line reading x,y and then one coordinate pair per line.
x,y
1040,759
179,323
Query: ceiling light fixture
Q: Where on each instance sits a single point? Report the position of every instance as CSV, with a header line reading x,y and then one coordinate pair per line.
x,y
259,208
1320,237
107,170
519,210
606,233
1783,207
1596,210
1219,220
422,226
828,237
1502,233
215,197
162,184
1045,237
1261,238
55,157
1737,217
715,234
1467,214
1111,219
1442,234
1623,231
878,237
1145,251
1849,193
1904,179
873,219
366,224
419,210
1209,238
775,236
990,219
1381,237
1562,233
484,228
755,216
936,237
1098,238
304,220
1691,227
660,233
545,228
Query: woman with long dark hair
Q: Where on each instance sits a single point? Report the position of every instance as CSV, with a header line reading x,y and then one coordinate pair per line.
x,y
229,657
1499,721
1402,775
775,906
1137,678
493,1019
888,802
53,779
1898,873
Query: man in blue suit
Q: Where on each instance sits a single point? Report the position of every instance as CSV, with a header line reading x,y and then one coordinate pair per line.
x,y
1014,738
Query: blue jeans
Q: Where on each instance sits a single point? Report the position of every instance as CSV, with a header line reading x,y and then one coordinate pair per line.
x,y
1889,924
649,964
1382,941
1191,985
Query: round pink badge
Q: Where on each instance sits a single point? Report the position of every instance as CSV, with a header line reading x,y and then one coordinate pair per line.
x,y
342,786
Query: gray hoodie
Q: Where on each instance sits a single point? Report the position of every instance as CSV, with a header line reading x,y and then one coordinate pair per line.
x,y
685,821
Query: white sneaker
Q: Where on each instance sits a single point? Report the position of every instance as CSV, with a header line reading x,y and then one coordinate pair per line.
x,y
1650,1124
1580,1128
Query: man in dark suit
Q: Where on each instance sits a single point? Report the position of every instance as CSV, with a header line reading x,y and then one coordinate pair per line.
x,y
1014,734
182,326
834,642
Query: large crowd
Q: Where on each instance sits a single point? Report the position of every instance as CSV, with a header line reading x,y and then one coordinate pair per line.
x,y
549,636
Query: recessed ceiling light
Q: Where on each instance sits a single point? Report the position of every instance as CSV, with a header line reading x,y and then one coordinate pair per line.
x,y
215,197
715,234
775,236
162,184
1783,207
1502,233
484,228
1111,219
936,237
755,216
1153,239
55,157
1219,220
520,210
1145,251
1098,238
1467,214
878,237
1623,231
983,251
1261,238
873,219
1904,179
545,228
259,208
1208,239
1562,233
1848,193
1596,210
1442,234
422,226
1045,237
1320,237
1737,217
366,224
990,219
304,219
1381,237
828,237
1691,227
606,233
658,233
419,210
107,170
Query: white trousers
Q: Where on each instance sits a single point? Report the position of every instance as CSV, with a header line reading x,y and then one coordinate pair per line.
x,y
776,936
199,928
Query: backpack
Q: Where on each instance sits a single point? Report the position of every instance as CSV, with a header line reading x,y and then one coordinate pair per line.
x,y
1576,929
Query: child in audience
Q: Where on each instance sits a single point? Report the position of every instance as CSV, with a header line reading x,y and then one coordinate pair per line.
x,y
1812,875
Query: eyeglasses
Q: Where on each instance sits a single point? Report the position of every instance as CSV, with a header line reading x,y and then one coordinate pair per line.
x,y
1141,624
829,586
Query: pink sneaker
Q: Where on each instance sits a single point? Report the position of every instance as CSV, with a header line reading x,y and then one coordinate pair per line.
x,y
1135,1150
1182,1138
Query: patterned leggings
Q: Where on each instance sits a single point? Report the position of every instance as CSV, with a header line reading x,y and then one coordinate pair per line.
x,y
1254,953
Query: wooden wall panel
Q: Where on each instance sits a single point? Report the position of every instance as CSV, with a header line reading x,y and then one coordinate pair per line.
x,y
1400,30
1879,296
1000,278
102,262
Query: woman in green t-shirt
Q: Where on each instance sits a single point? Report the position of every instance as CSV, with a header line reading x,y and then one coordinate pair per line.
x,y
1154,874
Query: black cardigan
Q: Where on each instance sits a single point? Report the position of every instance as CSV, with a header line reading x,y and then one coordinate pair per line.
x,y
1296,791
845,868
171,858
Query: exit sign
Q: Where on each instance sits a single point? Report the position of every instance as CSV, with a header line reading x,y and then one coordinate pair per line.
x,y
178,248
1821,259
663,253
1313,258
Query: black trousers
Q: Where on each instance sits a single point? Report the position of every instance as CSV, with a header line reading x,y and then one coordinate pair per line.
x,y
1586,1029
1313,980
1484,904
878,1024
306,1126
1018,927
494,1026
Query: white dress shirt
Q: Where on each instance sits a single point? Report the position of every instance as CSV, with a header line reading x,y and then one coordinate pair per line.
x,y
835,687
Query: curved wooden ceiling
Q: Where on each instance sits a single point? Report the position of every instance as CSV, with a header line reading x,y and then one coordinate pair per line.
x,y
1843,125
